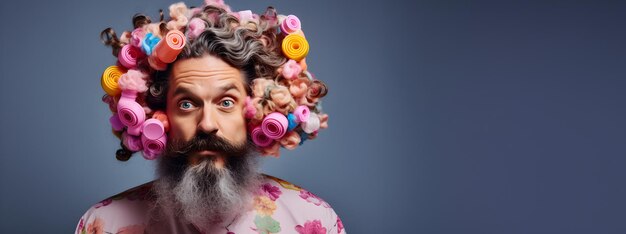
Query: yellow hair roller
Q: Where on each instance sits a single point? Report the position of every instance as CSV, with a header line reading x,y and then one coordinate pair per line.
x,y
295,47
109,80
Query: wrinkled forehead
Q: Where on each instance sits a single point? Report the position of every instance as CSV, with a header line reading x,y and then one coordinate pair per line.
x,y
207,72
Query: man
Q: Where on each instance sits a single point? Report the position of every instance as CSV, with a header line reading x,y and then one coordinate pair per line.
x,y
205,93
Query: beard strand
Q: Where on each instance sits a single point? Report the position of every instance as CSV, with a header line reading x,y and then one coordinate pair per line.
x,y
203,193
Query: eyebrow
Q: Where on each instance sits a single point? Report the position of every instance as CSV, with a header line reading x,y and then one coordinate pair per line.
x,y
223,89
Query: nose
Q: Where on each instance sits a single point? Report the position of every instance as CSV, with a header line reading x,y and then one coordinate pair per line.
x,y
207,122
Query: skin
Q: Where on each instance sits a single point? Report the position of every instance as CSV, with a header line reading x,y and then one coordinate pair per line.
x,y
206,94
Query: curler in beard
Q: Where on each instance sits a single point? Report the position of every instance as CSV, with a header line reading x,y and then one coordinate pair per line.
x,y
302,113
290,24
153,148
312,124
109,79
131,142
129,55
275,125
295,47
259,138
168,49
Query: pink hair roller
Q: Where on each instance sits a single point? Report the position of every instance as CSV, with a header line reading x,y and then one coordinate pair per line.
x,y
312,124
153,129
170,46
302,113
259,138
290,24
116,123
275,125
136,36
153,148
128,56
130,112
133,143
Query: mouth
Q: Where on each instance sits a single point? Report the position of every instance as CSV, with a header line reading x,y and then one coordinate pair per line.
x,y
207,153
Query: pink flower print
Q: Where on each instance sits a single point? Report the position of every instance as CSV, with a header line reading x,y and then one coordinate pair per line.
x,y
339,225
312,198
96,227
133,229
104,202
311,227
271,191
81,225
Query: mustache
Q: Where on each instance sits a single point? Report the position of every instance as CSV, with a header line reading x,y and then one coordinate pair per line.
x,y
207,141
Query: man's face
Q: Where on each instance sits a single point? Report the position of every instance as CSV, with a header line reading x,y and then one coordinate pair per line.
x,y
206,96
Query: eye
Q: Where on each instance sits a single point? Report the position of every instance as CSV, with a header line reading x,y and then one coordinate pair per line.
x,y
227,103
185,105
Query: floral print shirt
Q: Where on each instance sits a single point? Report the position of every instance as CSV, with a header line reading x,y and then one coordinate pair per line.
x,y
278,207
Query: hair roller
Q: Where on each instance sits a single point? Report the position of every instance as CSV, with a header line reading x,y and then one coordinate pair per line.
x,y
259,138
130,112
131,142
153,148
312,124
275,125
295,47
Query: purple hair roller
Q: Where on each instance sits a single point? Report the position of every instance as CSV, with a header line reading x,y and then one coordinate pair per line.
x,y
130,112
153,129
275,125
116,123
131,142
153,148
302,113
259,138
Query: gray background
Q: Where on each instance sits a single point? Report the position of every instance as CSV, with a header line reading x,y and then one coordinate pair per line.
x,y
446,116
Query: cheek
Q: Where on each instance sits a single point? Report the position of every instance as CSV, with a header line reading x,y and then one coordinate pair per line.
x,y
234,127
181,127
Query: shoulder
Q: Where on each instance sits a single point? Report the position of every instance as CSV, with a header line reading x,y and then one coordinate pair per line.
x,y
308,211
124,212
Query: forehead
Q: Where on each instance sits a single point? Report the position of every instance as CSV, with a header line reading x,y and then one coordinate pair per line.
x,y
205,73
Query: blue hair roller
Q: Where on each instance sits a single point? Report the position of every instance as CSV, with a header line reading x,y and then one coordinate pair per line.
x,y
149,42
292,121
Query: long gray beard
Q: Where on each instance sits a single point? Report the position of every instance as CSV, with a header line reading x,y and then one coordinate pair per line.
x,y
203,194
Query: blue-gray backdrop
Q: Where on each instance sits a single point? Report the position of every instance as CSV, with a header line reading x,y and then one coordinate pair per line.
x,y
446,116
